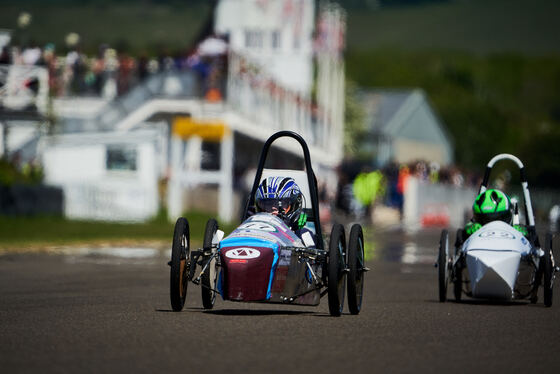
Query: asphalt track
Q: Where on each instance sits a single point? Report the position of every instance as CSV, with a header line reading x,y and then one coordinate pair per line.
x,y
90,312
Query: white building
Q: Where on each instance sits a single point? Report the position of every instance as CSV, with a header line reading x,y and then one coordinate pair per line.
x,y
277,35
105,177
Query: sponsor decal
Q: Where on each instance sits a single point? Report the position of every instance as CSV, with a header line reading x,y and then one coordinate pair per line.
x,y
285,257
243,253
524,241
238,261
500,234
258,226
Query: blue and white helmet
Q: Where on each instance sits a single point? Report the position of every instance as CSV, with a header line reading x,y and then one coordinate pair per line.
x,y
280,195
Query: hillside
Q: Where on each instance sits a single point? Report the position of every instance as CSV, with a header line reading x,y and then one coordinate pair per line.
x,y
478,26
140,27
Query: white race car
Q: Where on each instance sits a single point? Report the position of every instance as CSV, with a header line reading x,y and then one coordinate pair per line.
x,y
497,261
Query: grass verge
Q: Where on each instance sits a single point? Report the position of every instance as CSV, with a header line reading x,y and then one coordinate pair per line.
x,y
17,233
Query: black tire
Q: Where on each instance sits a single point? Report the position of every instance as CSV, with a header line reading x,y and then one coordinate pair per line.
x,y
180,264
459,240
356,264
336,267
547,271
443,265
210,276
458,283
458,269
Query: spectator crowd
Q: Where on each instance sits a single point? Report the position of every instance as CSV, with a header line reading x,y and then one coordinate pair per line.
x,y
112,72
362,187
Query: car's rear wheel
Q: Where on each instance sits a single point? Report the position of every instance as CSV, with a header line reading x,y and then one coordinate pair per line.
x,y
336,270
458,269
548,271
180,264
210,276
443,265
356,265
458,283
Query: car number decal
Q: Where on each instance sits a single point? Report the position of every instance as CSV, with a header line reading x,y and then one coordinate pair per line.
x,y
496,234
243,253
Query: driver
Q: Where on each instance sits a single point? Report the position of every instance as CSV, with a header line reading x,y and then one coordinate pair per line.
x,y
492,205
282,197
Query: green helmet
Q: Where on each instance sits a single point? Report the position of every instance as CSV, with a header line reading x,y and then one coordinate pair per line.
x,y
492,205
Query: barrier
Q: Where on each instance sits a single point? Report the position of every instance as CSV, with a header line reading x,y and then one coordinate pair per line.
x,y
110,202
18,200
436,205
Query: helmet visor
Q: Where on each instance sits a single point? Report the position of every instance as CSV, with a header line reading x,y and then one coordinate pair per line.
x,y
271,205
484,218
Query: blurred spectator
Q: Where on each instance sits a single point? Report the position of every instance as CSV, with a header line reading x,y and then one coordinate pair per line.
x,y
367,187
143,71
31,55
124,73
554,218
5,57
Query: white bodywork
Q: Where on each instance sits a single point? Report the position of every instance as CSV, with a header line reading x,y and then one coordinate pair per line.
x,y
493,258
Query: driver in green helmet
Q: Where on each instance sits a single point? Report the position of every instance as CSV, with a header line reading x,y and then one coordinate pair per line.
x,y
492,205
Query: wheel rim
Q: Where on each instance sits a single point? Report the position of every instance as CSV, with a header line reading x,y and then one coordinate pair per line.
x,y
447,263
213,279
341,279
210,276
548,272
443,266
184,267
360,272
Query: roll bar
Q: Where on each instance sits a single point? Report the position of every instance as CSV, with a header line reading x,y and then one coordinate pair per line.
x,y
524,183
311,179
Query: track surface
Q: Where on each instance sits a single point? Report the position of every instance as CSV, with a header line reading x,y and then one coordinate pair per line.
x,y
97,313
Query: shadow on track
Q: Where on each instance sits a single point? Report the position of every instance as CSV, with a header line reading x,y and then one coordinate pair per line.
x,y
483,302
253,312
239,312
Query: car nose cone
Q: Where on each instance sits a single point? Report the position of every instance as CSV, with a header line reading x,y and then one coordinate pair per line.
x,y
493,273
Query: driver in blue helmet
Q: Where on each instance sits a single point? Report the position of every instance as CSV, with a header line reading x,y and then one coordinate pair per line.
x,y
282,197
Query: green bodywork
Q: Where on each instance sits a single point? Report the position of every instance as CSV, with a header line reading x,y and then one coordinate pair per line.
x,y
472,227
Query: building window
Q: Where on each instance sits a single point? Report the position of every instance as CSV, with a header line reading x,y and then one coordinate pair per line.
x,y
121,157
297,42
276,39
253,39
211,153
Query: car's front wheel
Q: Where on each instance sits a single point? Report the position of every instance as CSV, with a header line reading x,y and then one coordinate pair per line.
x,y
336,270
210,276
180,264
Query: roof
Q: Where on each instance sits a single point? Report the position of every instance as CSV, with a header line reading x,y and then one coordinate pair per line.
x,y
389,111
382,105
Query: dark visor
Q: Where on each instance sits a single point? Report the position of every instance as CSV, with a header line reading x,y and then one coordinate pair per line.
x,y
267,205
